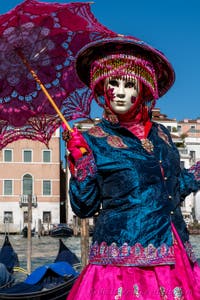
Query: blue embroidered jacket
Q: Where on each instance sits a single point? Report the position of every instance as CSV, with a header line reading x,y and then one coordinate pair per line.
x,y
136,193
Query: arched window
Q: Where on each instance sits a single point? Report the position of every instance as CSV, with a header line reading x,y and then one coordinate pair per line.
x,y
27,184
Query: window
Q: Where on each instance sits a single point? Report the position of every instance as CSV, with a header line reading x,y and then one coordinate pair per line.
x,y
25,217
7,155
193,155
8,186
46,155
46,187
179,128
169,128
27,184
8,217
46,217
27,156
192,128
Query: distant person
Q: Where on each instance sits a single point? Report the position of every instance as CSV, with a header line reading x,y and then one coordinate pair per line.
x,y
129,173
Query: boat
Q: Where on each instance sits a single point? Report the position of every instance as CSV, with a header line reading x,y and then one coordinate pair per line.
x,y
8,256
52,281
61,230
8,261
25,232
65,254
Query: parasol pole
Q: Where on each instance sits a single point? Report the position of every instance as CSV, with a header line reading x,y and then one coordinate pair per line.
x,y
26,63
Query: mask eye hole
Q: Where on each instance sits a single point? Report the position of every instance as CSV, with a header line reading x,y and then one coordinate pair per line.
x,y
130,84
113,82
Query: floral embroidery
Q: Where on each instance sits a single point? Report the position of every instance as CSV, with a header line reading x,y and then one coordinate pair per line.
x,y
119,294
126,255
190,251
136,291
116,142
163,136
195,170
97,132
178,294
84,167
162,293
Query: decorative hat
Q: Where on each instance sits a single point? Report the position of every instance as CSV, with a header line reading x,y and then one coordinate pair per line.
x,y
128,57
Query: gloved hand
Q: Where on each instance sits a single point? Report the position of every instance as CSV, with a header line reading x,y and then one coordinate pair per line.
x,y
76,143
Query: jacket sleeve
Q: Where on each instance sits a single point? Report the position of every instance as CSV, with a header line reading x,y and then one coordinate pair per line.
x,y
188,183
195,170
84,190
189,178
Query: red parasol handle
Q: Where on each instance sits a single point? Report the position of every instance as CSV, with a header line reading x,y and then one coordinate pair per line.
x,y
26,63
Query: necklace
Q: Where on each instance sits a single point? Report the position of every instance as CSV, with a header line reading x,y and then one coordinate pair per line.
x,y
147,145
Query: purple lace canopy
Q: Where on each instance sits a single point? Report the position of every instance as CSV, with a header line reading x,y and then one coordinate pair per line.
x,y
48,36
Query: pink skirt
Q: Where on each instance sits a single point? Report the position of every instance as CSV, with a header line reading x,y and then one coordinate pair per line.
x,y
168,282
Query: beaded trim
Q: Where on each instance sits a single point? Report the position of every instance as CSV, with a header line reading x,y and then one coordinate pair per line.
x,y
147,145
118,65
85,166
126,255
116,142
190,251
97,131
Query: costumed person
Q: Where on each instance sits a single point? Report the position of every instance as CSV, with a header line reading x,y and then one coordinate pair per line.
x,y
130,175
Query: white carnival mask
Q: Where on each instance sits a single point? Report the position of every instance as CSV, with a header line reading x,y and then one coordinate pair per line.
x,y
121,93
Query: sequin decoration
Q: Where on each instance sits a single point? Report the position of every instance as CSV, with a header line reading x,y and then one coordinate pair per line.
x,y
116,142
178,294
147,145
85,167
97,132
190,251
120,64
136,291
163,293
126,255
119,294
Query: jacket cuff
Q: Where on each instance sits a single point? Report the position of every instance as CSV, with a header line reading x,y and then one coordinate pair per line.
x,y
83,167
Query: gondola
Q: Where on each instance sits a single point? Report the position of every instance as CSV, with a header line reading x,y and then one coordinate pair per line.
x,y
8,261
48,282
65,254
61,230
8,256
25,232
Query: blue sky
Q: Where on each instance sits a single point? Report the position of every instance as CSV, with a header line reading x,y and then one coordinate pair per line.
x,y
171,26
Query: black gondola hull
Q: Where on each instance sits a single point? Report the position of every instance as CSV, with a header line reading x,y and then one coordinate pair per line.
x,y
59,292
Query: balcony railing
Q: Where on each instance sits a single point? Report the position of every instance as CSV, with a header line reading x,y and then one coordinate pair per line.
x,y
24,199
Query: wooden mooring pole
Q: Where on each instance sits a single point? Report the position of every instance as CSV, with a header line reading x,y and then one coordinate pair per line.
x,y
84,241
29,237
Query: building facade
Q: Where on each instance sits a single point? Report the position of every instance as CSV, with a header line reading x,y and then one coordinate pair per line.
x,y
29,171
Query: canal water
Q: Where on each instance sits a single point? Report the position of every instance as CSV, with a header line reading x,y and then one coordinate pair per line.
x,y
45,249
